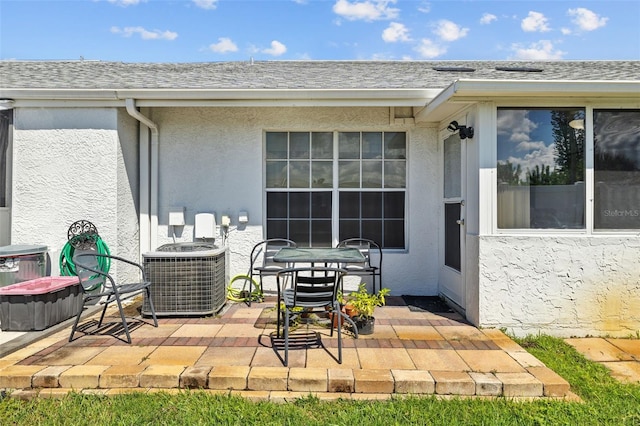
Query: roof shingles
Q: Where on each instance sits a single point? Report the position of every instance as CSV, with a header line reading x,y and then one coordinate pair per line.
x,y
294,74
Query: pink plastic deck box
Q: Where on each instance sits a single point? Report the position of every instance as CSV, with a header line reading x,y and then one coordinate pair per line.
x,y
39,303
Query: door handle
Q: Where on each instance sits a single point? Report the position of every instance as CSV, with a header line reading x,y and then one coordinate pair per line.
x,y
460,222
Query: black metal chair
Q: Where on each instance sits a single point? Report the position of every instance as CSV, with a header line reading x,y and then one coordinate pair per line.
x,y
371,266
314,289
99,284
262,263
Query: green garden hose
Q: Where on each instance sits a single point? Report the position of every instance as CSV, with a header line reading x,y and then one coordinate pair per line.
x,y
68,268
243,295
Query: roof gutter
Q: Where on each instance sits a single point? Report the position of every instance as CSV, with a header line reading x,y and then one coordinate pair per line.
x,y
223,97
462,92
148,179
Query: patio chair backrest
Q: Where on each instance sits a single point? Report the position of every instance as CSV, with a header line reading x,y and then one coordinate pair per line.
x,y
311,290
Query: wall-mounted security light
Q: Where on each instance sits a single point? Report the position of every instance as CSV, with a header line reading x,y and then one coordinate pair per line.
x,y
6,104
464,131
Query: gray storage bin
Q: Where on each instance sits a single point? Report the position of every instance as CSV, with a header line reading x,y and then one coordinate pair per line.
x,y
22,262
40,303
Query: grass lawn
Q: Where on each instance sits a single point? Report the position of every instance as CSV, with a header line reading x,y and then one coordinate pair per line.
x,y
606,402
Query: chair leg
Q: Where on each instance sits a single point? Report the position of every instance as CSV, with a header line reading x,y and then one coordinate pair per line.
x,y
339,326
286,336
75,323
124,319
278,312
104,311
153,309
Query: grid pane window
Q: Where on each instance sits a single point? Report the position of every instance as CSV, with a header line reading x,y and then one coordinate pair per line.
x,y
301,189
375,215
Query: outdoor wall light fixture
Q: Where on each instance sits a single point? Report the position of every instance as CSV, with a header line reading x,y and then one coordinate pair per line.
x,y
464,131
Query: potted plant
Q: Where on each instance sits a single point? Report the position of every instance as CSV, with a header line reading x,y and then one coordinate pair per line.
x,y
364,304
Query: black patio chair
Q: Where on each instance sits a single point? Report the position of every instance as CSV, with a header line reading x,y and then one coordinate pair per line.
x,y
99,284
314,289
262,263
371,266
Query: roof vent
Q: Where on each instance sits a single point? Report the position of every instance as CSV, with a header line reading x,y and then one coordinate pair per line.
x,y
454,69
519,69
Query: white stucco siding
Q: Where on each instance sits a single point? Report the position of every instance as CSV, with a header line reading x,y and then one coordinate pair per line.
x,y
65,164
128,170
563,286
211,160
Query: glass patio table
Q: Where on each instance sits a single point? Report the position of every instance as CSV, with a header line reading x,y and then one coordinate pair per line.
x,y
319,255
313,255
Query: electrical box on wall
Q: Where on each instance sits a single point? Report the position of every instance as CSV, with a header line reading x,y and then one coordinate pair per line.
x,y
205,225
176,216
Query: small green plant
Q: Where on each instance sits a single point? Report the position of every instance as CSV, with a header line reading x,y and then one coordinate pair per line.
x,y
364,302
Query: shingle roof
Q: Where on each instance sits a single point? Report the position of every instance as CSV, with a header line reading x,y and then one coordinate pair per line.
x,y
298,74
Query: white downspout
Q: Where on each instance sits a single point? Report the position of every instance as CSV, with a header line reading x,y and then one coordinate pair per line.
x,y
148,179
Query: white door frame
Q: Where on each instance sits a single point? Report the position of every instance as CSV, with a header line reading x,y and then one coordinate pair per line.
x,y
452,282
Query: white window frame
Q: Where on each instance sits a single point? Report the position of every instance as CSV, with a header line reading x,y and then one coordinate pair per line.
x,y
336,189
589,108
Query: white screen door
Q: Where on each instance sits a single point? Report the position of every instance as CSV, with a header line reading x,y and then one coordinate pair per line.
x,y
452,282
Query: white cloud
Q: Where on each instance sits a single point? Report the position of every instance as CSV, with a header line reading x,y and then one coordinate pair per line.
x,y
586,20
126,3
543,157
223,45
425,7
428,49
518,127
395,32
565,31
488,18
539,51
517,124
535,22
449,31
276,49
531,145
206,4
369,10
145,34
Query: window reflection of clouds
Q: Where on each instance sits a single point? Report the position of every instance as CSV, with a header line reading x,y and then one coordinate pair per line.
x,y
322,174
299,144
395,145
517,130
349,145
618,133
322,145
349,174
299,174
276,174
372,174
395,174
371,145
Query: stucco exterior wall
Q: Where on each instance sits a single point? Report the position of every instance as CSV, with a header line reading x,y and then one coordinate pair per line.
x,y
564,286
211,160
70,164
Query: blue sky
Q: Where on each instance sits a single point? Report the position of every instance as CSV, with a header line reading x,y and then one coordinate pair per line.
x,y
231,30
